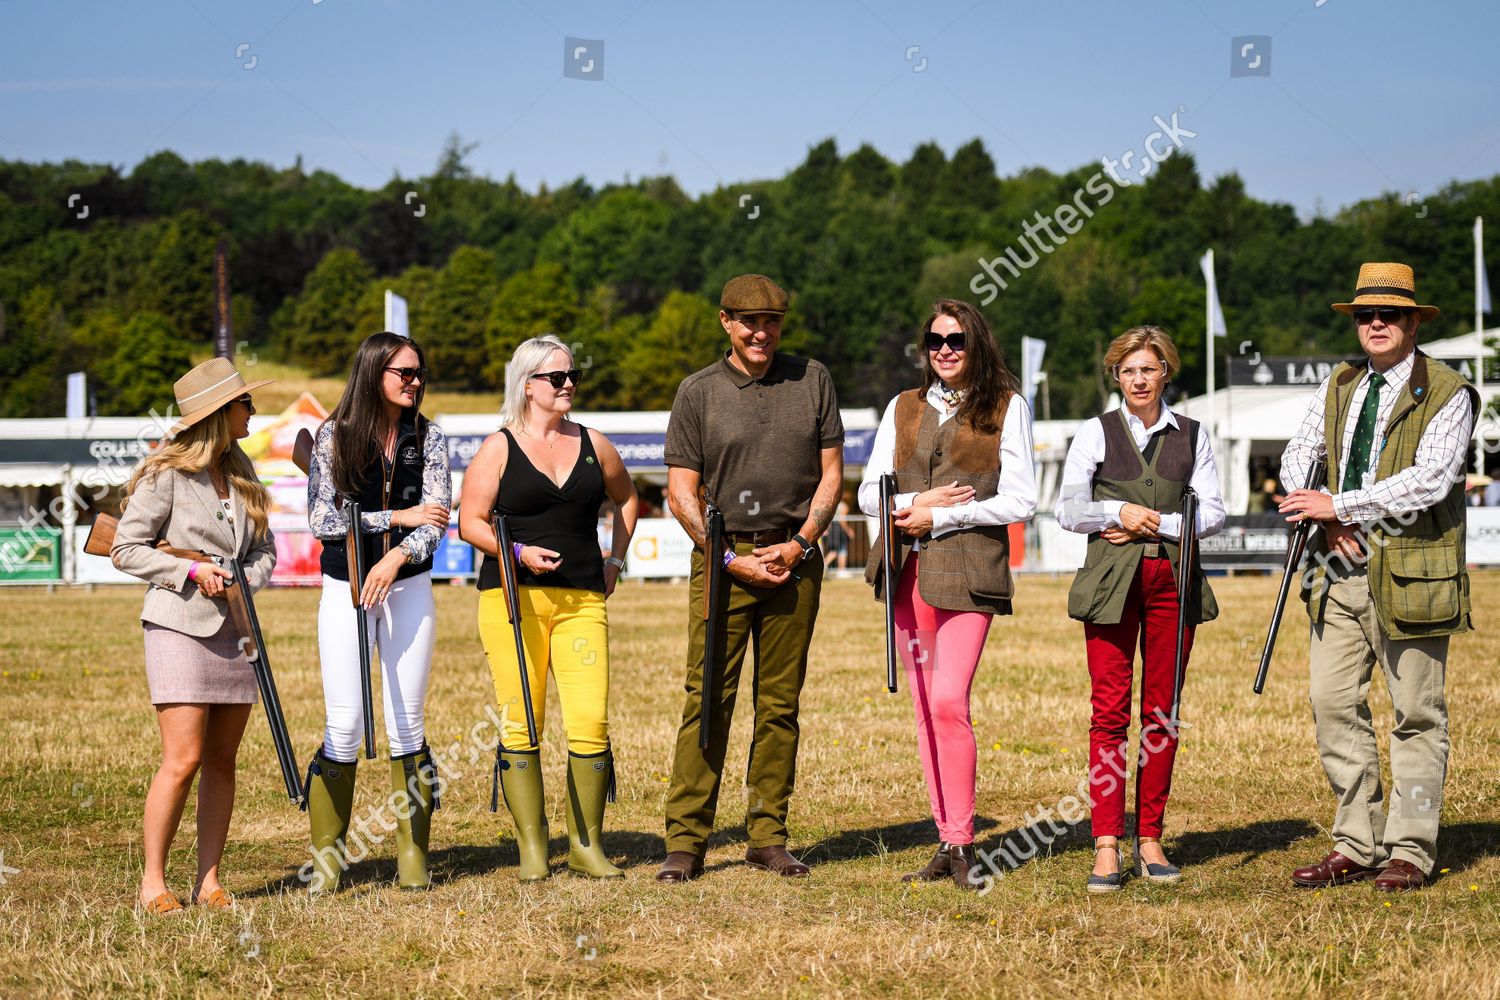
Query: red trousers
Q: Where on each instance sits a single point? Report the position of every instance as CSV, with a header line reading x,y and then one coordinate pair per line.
x,y
1150,619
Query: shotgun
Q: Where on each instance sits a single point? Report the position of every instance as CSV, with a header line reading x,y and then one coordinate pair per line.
x,y
1186,554
1296,544
888,573
510,584
713,585
245,621
302,452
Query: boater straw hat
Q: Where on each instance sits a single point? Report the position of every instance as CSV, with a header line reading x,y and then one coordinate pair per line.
x,y
206,388
1386,285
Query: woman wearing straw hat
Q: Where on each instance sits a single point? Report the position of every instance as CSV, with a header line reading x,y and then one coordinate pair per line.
x,y
197,491
1123,484
549,475
377,448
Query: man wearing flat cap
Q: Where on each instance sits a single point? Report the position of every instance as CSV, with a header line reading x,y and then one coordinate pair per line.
x,y
757,435
1386,582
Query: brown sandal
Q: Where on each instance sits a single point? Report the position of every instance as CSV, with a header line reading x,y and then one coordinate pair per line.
x,y
164,904
216,900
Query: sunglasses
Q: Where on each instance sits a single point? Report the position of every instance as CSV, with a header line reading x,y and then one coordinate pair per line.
x,y
409,375
244,399
1387,314
557,378
935,341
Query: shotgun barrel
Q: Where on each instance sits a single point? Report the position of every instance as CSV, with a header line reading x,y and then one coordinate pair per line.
x,y
888,573
510,584
1187,556
354,549
1296,545
713,586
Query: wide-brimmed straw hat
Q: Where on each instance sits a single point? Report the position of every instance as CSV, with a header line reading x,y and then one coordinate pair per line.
x,y
1386,285
206,388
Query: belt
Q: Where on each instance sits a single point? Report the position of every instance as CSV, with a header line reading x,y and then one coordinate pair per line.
x,y
774,536
1153,550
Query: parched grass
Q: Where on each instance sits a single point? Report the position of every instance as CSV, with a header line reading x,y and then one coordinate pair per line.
x,y
1250,803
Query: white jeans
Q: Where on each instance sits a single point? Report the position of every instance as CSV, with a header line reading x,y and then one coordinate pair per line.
x,y
404,627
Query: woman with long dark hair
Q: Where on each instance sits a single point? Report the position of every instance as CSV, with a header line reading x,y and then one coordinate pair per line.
x,y
960,448
1123,485
549,475
198,491
378,449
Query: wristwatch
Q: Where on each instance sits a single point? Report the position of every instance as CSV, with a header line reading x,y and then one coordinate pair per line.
x,y
618,564
807,547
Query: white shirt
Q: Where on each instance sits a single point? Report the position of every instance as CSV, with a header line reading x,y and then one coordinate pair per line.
x,y
1015,496
1441,453
1077,510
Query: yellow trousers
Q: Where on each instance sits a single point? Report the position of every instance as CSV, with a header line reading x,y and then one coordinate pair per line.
x,y
562,628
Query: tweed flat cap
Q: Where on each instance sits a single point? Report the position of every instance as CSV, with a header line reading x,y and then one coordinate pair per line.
x,y
753,293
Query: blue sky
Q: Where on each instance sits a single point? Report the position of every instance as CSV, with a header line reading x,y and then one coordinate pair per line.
x,y
1364,96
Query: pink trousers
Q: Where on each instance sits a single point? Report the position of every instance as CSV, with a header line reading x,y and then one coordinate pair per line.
x,y
941,652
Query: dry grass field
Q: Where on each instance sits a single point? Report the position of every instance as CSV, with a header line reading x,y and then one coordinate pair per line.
x,y
1250,803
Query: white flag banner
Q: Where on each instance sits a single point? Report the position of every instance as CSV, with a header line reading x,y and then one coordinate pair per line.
x,y
77,395
395,314
1218,327
1482,300
1032,351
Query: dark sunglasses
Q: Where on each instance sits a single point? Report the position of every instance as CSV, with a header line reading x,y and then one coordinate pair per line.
x,y
935,341
1387,314
557,378
410,375
244,399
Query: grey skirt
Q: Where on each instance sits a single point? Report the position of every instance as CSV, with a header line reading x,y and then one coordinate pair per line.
x,y
184,668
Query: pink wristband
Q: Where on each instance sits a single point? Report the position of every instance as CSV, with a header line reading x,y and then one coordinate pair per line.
x,y
193,571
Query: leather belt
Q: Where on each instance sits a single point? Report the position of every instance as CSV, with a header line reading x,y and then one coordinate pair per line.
x,y
1153,550
775,536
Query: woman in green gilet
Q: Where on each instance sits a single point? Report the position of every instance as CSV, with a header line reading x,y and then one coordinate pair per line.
x,y
1123,486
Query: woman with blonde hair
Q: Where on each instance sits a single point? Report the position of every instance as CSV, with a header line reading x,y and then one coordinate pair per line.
x,y
198,491
1124,480
549,476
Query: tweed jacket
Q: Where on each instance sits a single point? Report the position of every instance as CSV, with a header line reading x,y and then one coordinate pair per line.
x,y
183,509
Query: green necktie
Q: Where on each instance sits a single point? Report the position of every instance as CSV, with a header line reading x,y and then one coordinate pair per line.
x,y
1364,436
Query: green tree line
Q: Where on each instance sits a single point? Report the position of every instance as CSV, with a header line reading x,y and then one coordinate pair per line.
x,y
630,272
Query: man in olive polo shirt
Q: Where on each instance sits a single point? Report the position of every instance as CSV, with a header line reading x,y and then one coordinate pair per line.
x,y
759,433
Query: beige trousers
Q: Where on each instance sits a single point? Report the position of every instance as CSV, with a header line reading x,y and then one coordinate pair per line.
x,y
1346,645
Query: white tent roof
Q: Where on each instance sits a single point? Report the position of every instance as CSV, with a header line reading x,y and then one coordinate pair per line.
x,y
623,422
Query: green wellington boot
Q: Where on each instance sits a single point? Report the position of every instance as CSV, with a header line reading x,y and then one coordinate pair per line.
x,y
591,780
519,778
414,787
328,798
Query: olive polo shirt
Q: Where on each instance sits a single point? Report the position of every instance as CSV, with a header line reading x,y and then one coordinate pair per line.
x,y
756,442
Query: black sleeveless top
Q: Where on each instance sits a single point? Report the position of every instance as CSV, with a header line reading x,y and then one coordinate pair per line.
x,y
564,519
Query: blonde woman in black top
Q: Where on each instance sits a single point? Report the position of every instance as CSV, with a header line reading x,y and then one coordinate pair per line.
x,y
549,476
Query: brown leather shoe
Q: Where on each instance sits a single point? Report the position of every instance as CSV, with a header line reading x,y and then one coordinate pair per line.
x,y
937,869
775,859
1400,876
680,866
962,864
1332,870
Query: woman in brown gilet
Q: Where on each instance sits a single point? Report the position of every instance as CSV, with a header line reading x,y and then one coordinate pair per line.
x,y
960,448
1123,485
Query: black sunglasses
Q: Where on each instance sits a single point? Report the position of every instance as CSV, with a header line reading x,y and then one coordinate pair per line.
x,y
410,375
935,341
1387,314
244,399
556,378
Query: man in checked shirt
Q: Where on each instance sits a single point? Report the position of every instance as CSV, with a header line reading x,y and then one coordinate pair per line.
x,y
1386,581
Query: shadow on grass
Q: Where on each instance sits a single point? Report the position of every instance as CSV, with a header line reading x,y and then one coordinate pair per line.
x,y
1251,840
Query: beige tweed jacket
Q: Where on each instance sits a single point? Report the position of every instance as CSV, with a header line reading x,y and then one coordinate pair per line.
x,y
183,509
